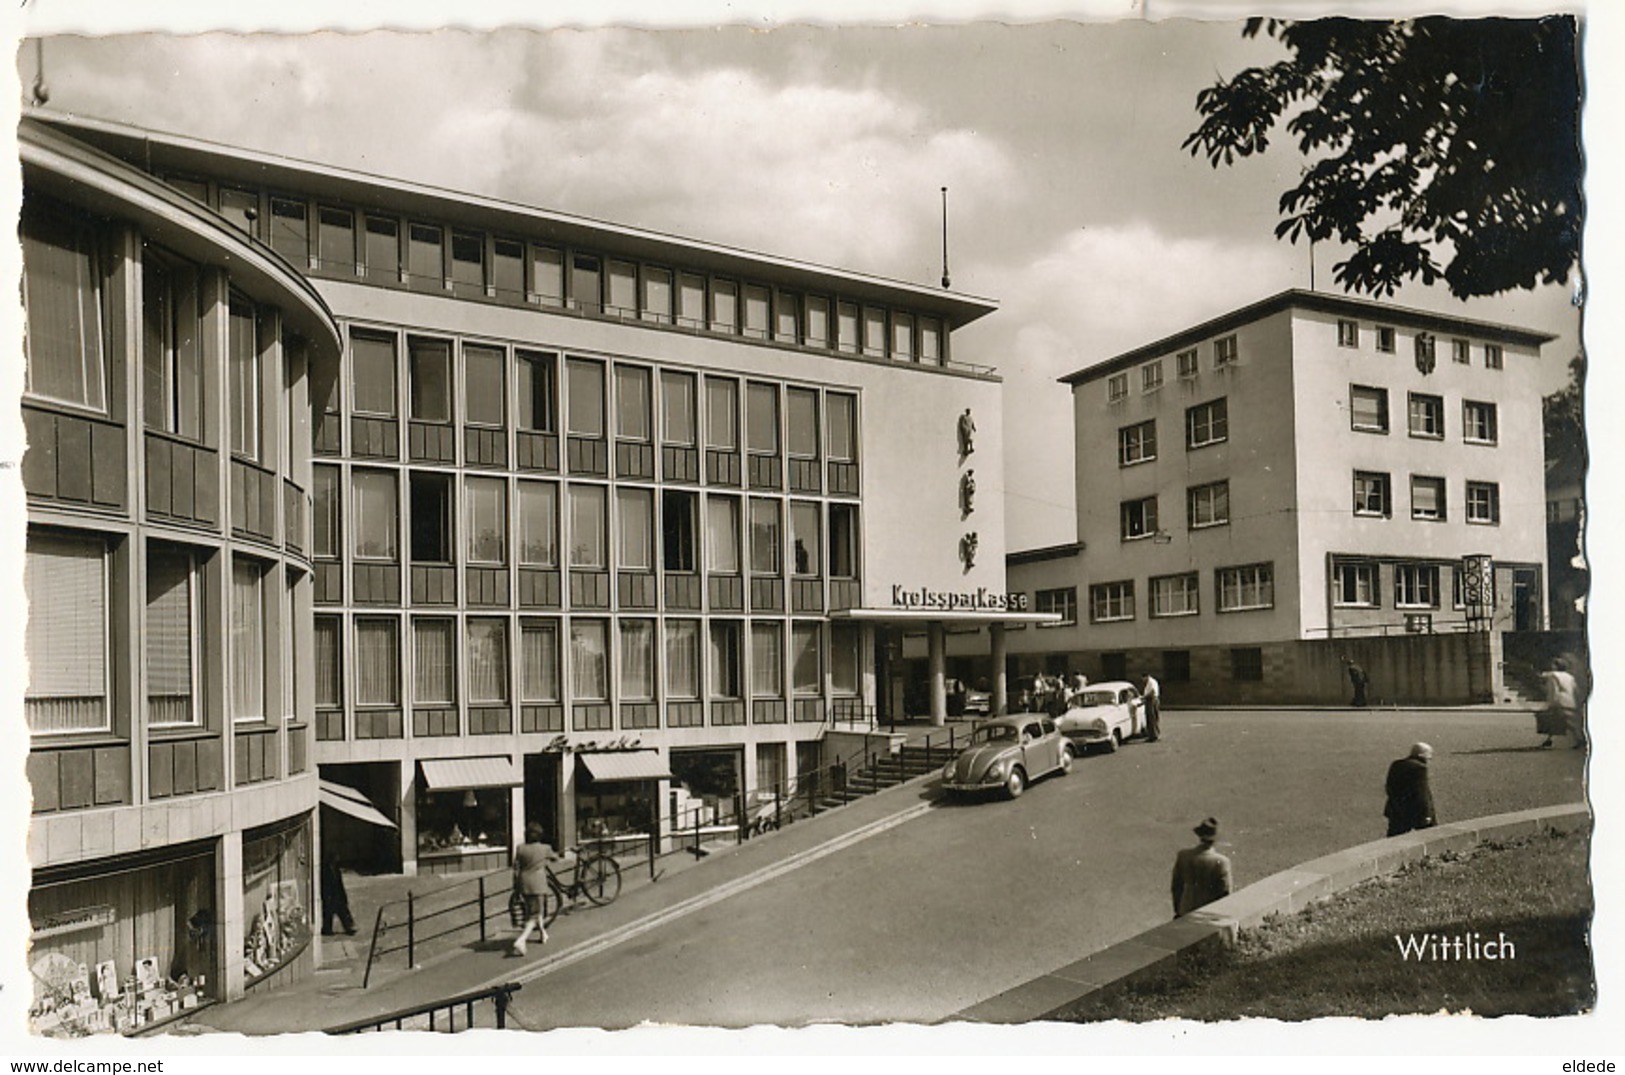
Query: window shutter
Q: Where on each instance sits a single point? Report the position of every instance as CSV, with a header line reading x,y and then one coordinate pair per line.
x,y
65,579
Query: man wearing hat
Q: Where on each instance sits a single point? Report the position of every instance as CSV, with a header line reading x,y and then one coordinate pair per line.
x,y
1201,874
1410,799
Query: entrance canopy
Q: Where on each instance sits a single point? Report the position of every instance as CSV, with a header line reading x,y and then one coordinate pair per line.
x,y
459,774
347,800
627,765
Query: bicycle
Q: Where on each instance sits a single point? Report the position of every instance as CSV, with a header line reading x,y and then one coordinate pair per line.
x,y
597,877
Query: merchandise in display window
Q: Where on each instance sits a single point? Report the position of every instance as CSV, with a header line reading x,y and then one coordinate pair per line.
x,y
622,811
463,821
276,897
123,948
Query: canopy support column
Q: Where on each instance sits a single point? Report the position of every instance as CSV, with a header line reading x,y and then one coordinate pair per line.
x,y
999,704
937,637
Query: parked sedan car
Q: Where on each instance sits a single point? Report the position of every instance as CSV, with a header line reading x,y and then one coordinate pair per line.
x,y
1104,714
972,702
1009,753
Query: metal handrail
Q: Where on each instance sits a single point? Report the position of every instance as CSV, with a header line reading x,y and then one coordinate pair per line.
x,y
501,996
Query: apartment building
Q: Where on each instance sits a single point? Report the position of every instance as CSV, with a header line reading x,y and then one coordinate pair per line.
x,y
1308,480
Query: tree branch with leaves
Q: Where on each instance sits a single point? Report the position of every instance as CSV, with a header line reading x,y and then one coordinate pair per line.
x,y
1440,148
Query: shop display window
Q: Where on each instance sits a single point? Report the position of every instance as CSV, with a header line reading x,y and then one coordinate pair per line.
x,y
463,821
122,948
276,897
613,810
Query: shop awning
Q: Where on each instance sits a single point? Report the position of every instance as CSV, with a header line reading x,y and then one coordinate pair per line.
x,y
627,765
457,774
347,800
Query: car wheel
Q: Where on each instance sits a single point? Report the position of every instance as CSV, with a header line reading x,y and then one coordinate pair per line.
x,y
1115,741
1066,760
1015,783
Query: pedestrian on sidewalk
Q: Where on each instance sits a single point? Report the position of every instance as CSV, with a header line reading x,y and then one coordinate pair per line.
x,y
1151,692
1562,713
1358,680
335,901
1410,798
1201,874
530,861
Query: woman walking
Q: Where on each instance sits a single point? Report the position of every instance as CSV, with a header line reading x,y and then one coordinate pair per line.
x,y
530,861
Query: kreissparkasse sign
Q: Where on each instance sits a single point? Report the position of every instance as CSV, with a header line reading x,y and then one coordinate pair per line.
x,y
980,599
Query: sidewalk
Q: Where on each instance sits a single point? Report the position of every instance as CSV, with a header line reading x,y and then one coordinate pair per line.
x,y
332,995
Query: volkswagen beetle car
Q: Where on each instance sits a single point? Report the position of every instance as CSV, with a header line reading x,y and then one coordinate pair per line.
x,y
1009,753
1104,714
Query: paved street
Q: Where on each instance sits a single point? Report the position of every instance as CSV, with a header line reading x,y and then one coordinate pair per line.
x,y
971,899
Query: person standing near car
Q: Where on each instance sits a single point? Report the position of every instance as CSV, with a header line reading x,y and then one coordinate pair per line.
x,y
1201,874
1151,692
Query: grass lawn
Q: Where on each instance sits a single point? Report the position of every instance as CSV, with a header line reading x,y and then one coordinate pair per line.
x,y
1340,957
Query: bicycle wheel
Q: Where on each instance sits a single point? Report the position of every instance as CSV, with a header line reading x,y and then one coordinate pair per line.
x,y
552,901
599,879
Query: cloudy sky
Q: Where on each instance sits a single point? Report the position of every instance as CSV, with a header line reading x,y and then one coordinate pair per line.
x,y
1070,200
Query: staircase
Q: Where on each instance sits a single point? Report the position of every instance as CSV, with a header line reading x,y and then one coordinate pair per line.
x,y
886,771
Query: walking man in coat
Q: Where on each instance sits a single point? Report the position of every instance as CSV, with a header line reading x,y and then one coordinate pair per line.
x,y
1151,691
1201,874
1410,799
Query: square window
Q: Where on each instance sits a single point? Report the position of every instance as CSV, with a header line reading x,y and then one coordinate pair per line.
x,y
1187,363
1372,494
1137,443
1175,595
1368,409
1138,518
1427,498
1111,601
1354,584
1479,423
1062,602
1484,503
1207,423
1207,505
1426,416
1151,376
1348,334
1492,356
1460,351
1385,339
1249,586
1117,388
1416,586
1224,352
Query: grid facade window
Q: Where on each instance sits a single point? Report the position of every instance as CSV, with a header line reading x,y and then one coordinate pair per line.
x,y
1062,601
1428,498
428,367
1479,422
62,296
1484,503
1245,587
1372,494
1137,443
1368,409
1175,595
1138,518
66,642
1416,586
1111,601
1207,505
1207,423
1425,415
1354,584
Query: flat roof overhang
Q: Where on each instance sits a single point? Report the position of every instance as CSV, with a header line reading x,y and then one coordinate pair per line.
x,y
924,615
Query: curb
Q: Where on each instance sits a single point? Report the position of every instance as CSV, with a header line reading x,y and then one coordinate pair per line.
x,y
1159,949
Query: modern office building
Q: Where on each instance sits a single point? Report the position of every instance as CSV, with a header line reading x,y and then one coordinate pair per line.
x,y
168,573
1303,481
597,517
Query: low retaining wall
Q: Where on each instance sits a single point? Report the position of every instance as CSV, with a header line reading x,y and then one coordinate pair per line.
x,y
1158,950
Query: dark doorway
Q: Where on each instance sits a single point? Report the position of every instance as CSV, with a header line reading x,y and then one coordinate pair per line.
x,y
542,794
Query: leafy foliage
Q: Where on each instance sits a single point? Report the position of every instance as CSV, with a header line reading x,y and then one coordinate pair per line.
x,y
1428,138
1564,419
